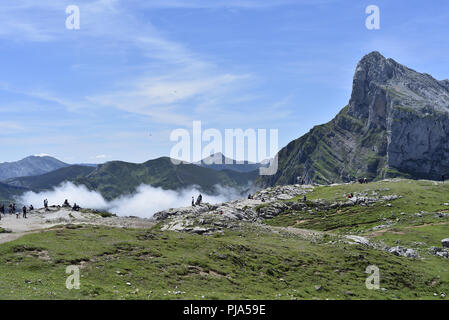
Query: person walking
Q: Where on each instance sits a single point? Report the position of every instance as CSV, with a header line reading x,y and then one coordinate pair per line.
x,y
24,212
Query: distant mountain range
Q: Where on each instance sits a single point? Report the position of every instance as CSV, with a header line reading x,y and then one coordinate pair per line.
x,y
30,166
117,178
219,162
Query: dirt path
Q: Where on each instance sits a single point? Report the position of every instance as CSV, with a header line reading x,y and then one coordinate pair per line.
x,y
41,220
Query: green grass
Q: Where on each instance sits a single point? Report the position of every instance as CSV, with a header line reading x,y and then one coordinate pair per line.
x,y
415,196
247,264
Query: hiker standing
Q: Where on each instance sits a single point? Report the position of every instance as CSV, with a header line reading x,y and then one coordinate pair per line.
x,y
24,212
46,204
198,200
2,210
193,201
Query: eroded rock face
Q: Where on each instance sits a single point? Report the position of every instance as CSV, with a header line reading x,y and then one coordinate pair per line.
x,y
412,107
396,124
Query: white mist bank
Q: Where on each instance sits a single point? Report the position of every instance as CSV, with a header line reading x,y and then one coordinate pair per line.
x,y
145,202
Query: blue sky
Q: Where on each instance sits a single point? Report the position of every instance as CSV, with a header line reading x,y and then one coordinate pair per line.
x,y
136,70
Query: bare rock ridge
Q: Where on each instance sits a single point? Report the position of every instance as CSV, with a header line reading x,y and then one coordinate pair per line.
x,y
208,219
395,125
265,204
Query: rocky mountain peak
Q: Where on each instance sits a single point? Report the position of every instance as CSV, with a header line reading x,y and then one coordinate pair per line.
x,y
396,124
381,84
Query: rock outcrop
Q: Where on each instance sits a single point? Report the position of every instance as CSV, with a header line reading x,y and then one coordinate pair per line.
x,y
265,204
395,125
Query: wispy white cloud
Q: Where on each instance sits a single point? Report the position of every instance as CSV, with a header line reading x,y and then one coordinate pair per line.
x,y
178,76
163,98
8,127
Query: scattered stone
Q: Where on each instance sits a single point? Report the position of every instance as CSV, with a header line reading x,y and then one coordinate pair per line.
x,y
404,252
359,240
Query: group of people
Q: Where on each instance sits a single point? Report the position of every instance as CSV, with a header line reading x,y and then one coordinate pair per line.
x,y
198,200
12,210
300,180
75,207
364,180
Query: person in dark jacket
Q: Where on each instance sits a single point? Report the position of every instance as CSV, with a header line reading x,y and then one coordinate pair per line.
x,y
24,212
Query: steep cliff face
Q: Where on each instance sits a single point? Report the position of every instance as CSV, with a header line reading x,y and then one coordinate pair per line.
x,y
396,124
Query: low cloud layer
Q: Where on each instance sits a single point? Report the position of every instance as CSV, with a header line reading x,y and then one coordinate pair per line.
x,y
144,203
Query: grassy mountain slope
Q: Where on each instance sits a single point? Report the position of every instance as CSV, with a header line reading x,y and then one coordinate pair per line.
x,y
8,192
117,178
341,149
48,180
